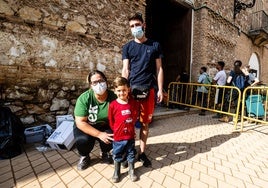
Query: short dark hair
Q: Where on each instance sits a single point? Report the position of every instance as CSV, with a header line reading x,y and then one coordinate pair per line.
x,y
96,72
136,16
204,69
221,63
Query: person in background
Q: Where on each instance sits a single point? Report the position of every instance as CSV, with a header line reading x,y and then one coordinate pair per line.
x,y
252,79
91,120
237,72
123,113
183,77
142,66
219,79
202,91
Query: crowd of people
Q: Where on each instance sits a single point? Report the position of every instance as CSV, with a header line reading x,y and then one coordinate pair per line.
x,y
240,77
109,116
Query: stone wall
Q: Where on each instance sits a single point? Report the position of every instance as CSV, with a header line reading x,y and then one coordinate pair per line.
x,y
47,50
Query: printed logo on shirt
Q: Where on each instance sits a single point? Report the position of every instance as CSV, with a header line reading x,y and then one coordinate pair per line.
x,y
129,120
93,111
125,112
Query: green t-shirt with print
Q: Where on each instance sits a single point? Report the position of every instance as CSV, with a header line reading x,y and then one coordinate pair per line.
x,y
97,112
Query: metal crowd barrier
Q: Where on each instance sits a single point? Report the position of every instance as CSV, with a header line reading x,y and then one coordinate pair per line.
x,y
184,94
253,103
254,106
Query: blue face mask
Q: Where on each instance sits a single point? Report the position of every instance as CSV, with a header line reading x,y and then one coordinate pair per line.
x,y
137,32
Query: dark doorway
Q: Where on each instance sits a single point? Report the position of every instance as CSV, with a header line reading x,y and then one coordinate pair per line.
x,y
169,22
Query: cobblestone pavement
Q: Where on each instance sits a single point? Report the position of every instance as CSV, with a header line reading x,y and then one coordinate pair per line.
x,y
186,151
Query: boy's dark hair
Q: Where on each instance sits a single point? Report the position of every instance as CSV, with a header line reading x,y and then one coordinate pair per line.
x,y
120,81
136,16
221,63
204,69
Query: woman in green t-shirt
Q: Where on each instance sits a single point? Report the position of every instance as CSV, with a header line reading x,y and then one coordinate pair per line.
x,y
91,119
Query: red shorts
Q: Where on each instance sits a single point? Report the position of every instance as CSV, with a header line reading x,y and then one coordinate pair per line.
x,y
147,107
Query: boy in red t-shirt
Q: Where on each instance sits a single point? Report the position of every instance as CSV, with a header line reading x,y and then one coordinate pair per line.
x,y
122,114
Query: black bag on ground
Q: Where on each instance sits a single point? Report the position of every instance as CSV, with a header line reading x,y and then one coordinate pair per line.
x,y
11,134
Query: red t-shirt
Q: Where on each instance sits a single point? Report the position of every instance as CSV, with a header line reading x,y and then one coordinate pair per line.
x,y
122,119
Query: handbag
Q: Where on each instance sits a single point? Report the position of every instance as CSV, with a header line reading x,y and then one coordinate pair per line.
x,y
140,92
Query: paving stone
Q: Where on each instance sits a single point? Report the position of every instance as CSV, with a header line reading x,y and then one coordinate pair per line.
x,y
8,183
186,151
51,181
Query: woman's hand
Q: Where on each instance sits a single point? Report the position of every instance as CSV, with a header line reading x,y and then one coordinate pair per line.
x,y
83,125
245,71
106,137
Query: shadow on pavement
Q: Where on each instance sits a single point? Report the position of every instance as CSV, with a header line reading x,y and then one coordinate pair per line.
x,y
165,154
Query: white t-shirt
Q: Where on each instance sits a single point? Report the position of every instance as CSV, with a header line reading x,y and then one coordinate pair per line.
x,y
220,78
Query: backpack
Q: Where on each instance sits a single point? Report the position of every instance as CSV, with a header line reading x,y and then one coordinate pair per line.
x,y
240,81
11,134
207,81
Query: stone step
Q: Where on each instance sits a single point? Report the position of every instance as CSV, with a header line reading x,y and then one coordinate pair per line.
x,y
162,112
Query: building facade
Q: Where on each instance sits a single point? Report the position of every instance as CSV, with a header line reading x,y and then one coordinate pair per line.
x,y
47,49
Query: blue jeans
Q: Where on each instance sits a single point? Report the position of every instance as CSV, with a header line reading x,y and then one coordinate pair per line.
x,y
124,147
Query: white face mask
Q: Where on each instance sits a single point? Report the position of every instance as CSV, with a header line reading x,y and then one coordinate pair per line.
x,y
100,88
137,32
